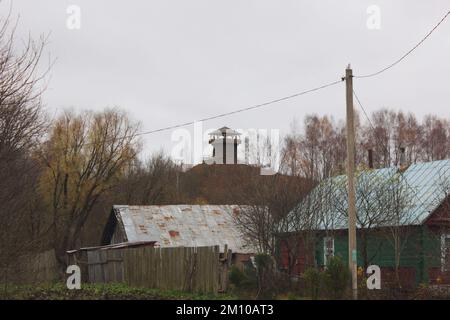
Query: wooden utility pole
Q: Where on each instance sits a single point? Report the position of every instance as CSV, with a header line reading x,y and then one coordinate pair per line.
x,y
352,255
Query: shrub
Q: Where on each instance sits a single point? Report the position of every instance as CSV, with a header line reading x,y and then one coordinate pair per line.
x,y
263,261
236,276
336,278
265,276
243,279
312,278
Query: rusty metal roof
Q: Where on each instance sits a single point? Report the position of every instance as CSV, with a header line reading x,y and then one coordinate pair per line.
x,y
183,225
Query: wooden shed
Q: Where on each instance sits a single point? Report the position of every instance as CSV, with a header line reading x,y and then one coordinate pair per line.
x,y
140,264
179,226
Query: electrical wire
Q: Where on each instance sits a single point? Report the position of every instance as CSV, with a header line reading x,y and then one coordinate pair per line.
x,y
407,53
243,109
364,110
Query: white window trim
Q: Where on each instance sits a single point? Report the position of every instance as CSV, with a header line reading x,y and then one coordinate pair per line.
x,y
325,240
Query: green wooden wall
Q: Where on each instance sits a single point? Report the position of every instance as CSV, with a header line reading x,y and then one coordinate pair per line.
x,y
421,251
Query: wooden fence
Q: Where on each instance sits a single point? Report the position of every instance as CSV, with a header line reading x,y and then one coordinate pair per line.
x,y
194,269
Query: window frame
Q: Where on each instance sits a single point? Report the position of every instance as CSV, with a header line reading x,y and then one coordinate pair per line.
x,y
325,249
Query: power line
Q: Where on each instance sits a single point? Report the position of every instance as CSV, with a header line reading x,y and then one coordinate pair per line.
x,y
264,104
243,109
293,95
386,149
407,53
303,92
364,110
229,113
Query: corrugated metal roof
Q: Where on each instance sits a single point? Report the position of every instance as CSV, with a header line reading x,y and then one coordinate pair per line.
x,y
428,182
183,225
424,186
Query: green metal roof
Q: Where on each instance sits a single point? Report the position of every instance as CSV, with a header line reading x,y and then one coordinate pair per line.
x,y
387,196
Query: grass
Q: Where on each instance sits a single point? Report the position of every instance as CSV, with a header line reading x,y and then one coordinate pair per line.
x,y
58,291
118,291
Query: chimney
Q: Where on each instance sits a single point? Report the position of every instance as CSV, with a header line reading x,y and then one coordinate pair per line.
x,y
370,154
402,157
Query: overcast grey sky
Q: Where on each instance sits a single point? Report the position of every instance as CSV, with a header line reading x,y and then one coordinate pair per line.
x,y
169,62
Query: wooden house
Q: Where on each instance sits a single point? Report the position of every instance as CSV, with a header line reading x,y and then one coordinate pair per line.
x,y
403,224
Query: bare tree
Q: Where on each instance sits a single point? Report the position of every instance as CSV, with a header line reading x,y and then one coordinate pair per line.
x,y
316,153
21,87
434,142
406,136
22,123
378,136
20,225
265,204
155,182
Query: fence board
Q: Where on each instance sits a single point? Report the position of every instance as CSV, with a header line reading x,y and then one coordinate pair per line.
x,y
196,269
180,268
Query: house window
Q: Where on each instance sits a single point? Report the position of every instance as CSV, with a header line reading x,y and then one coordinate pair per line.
x,y
328,249
445,249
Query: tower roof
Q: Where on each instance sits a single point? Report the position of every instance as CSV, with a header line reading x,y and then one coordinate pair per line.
x,y
224,130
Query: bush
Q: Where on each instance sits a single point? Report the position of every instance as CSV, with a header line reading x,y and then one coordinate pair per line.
x,y
263,261
265,276
336,278
243,279
312,278
236,276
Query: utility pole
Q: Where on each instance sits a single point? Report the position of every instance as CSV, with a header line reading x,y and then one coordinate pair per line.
x,y
352,255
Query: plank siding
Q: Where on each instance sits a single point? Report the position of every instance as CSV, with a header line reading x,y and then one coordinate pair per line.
x,y
195,269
